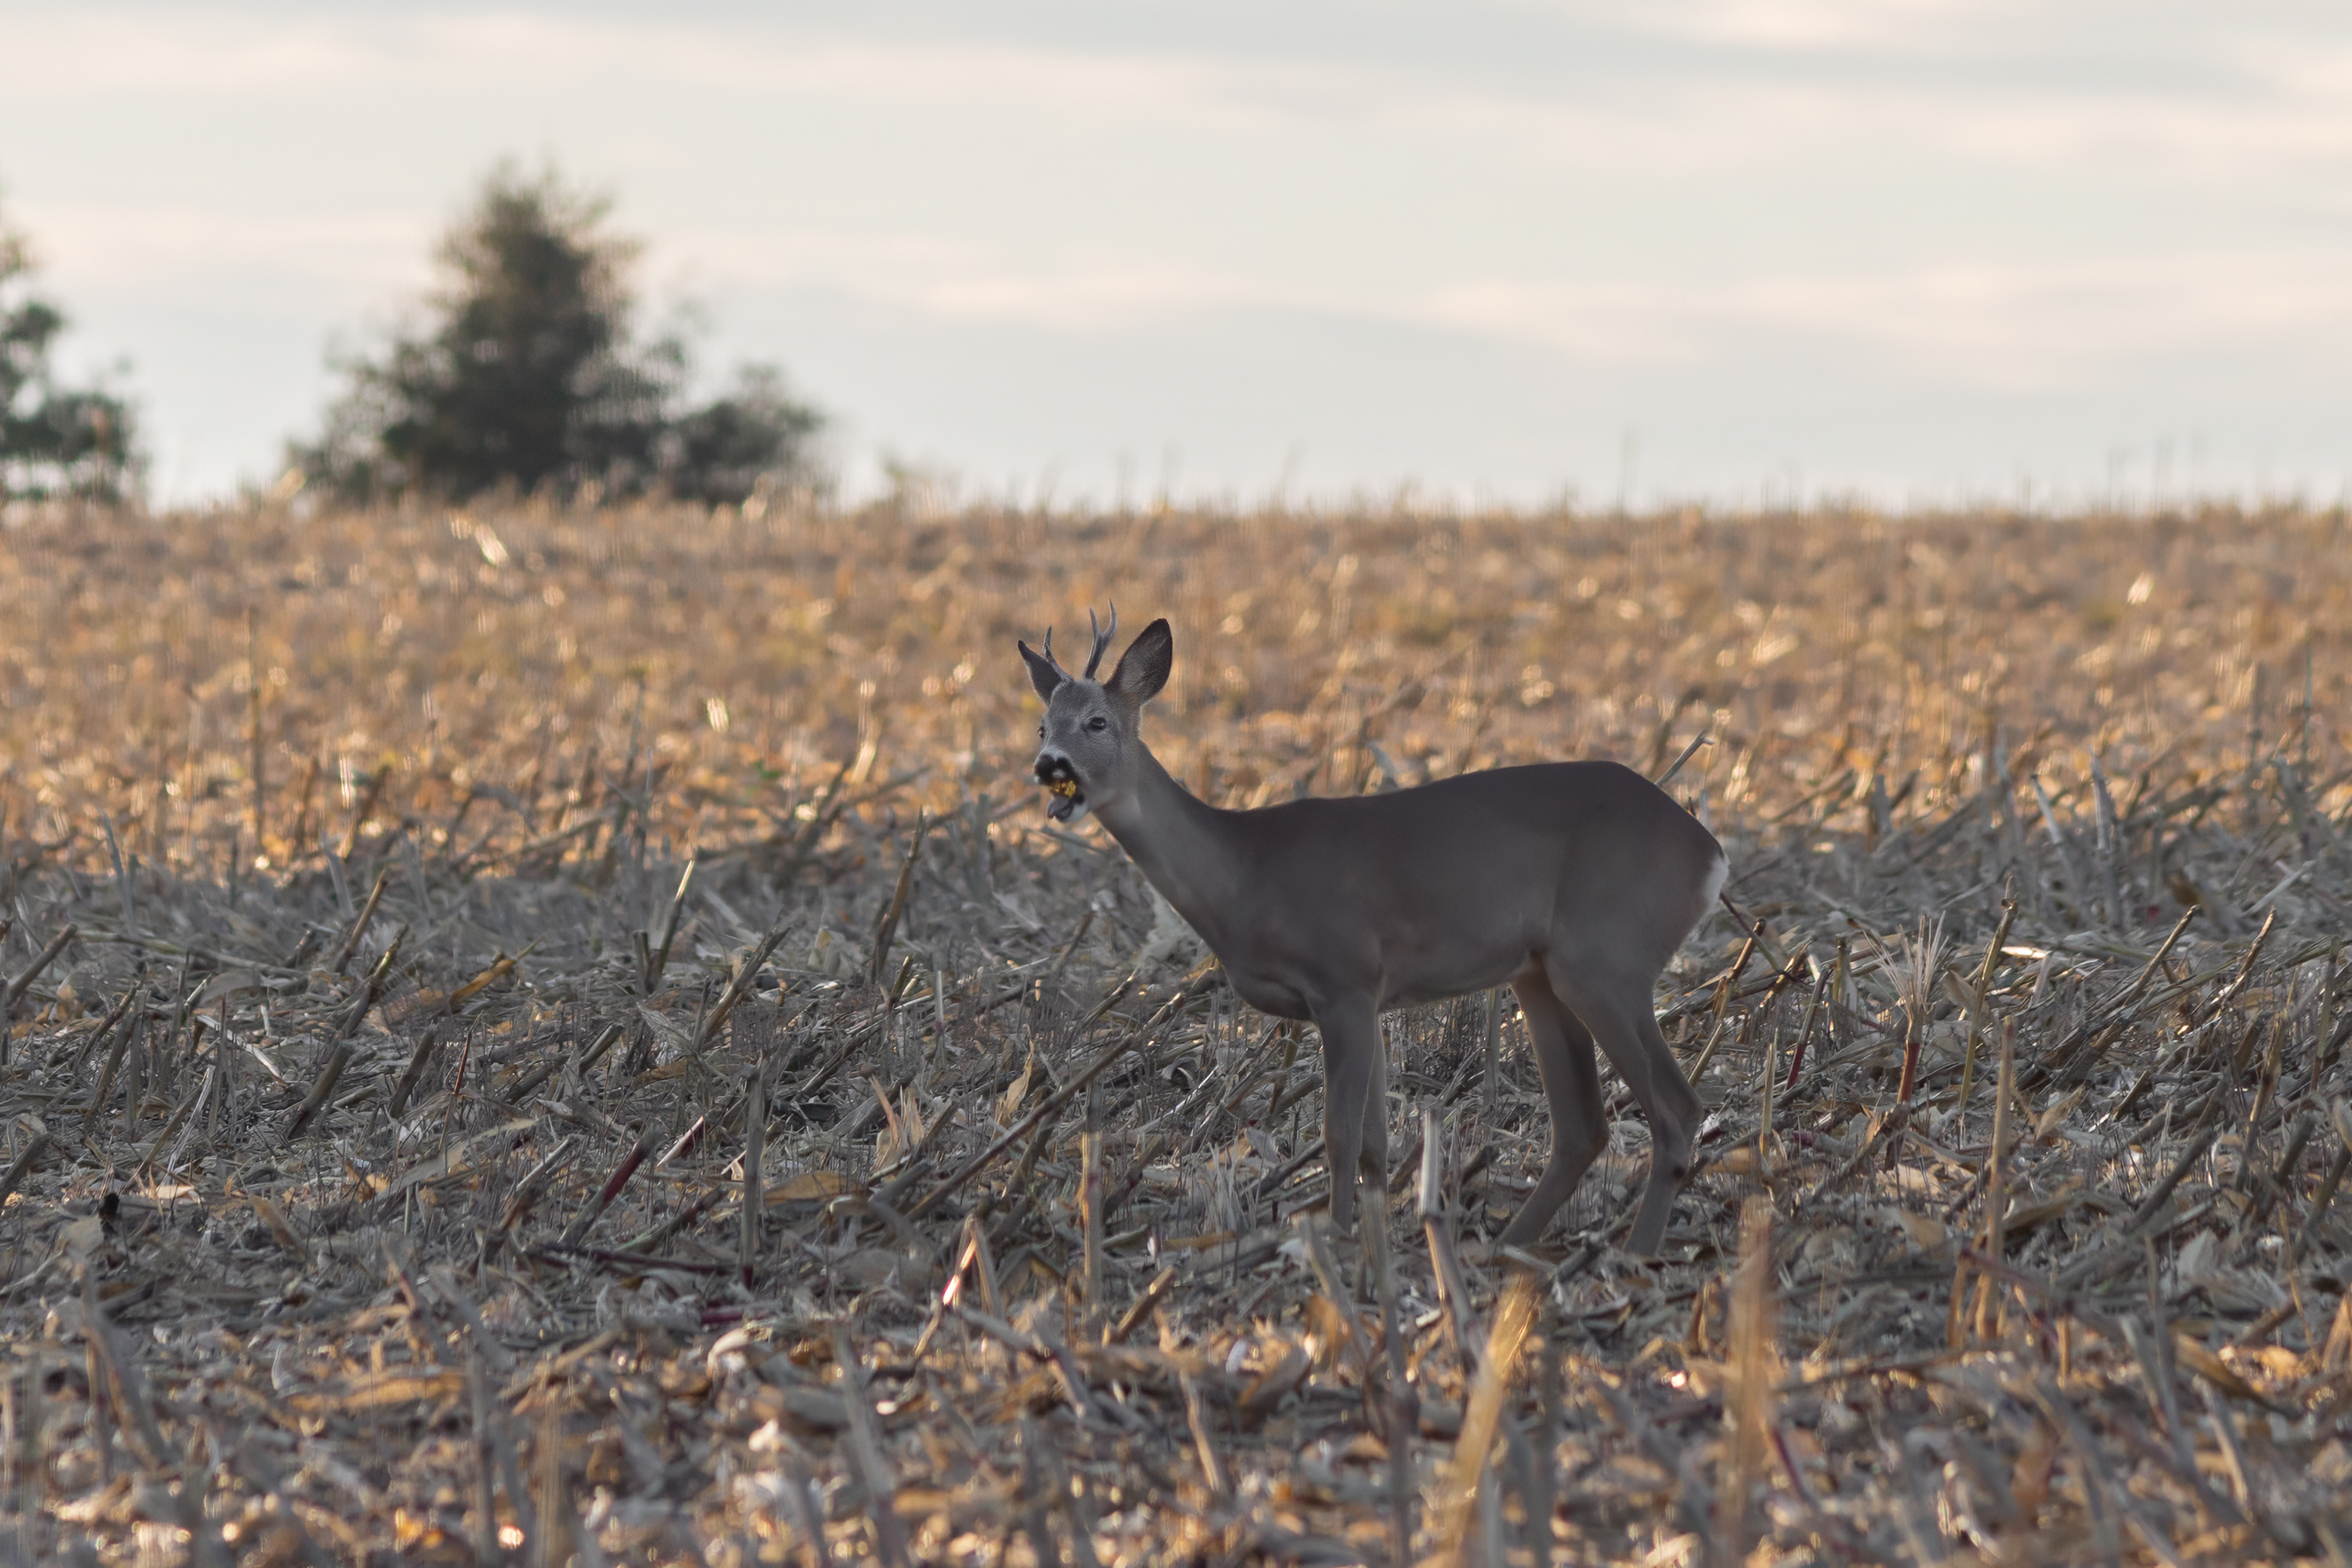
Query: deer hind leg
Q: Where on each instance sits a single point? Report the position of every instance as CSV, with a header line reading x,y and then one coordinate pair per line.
x,y
1372,1155
1351,1058
1617,1009
1571,1081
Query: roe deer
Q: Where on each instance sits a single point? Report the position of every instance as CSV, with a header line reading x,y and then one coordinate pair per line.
x,y
1574,882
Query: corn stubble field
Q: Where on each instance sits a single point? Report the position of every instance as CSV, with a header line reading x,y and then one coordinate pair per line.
x,y
408,1160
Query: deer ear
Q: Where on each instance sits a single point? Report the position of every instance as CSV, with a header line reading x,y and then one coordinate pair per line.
x,y
1044,673
1143,668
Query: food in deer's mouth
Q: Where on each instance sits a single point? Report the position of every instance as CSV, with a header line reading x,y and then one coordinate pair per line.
x,y
1061,781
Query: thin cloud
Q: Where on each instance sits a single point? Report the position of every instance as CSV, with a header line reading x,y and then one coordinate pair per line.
x,y
113,244
2042,328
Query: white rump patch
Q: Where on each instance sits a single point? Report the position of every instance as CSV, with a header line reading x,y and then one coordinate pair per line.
x,y
1714,881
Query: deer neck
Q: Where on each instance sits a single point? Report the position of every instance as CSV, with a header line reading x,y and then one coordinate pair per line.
x,y
1182,844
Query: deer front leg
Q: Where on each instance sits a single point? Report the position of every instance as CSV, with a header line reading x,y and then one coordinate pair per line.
x,y
1350,1029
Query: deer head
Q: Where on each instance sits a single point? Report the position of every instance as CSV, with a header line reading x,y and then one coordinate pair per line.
x,y
1088,746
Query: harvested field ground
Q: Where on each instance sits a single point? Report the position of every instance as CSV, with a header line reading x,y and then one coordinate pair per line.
x,y
383,1100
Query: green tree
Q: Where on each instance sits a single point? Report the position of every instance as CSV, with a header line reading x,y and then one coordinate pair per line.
x,y
55,441
529,374
724,450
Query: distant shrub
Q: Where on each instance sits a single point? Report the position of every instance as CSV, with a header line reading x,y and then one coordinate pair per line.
x,y
529,375
55,441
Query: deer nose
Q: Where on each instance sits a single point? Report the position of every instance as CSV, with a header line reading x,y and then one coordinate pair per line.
x,y
1051,765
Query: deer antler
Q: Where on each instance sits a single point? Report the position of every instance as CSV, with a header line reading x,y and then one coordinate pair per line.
x,y
1103,635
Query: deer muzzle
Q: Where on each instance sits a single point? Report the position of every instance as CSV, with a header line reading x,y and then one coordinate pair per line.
x,y
1061,781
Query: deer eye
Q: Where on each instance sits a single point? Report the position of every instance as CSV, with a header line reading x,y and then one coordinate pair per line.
x,y
1041,732
1098,722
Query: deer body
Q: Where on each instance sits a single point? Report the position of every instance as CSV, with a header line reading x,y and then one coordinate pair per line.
x,y
1573,883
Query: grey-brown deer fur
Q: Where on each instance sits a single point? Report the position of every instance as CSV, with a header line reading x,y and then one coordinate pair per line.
x,y
1572,882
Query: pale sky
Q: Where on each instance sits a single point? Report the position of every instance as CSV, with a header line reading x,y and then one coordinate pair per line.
x,y
1719,249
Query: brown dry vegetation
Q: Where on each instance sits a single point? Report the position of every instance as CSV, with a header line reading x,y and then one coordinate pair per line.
x,y
488,743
